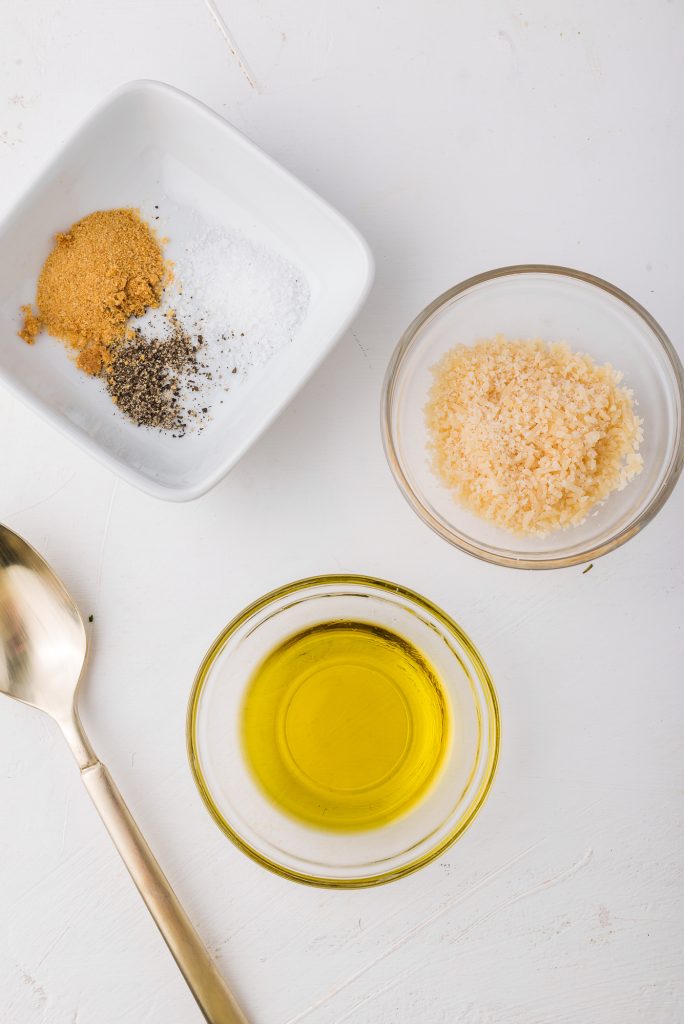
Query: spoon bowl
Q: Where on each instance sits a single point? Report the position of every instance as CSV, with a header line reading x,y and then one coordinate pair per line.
x,y
43,643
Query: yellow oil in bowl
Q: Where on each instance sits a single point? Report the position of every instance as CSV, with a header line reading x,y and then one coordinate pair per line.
x,y
345,725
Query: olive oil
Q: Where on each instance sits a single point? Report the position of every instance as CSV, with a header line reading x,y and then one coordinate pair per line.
x,y
345,725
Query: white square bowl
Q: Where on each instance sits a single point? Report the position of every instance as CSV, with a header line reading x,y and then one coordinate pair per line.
x,y
145,141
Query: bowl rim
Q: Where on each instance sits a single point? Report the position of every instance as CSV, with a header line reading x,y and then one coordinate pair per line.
x,y
490,700
406,343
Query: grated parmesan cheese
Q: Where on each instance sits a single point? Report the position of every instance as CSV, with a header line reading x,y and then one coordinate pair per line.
x,y
530,435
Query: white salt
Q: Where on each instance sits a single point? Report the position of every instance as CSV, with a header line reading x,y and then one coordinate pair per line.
x,y
241,297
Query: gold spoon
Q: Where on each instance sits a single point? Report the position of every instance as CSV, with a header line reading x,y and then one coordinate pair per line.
x,y
42,653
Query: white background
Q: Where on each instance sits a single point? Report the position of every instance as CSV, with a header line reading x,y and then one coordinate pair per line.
x,y
458,136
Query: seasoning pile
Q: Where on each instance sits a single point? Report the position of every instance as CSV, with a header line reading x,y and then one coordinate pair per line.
x,y
145,375
233,290
203,323
531,436
105,269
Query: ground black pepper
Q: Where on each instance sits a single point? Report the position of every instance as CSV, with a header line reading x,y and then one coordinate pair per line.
x,y
146,376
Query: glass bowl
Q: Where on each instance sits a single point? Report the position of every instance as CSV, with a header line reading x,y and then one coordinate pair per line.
x,y
291,847
556,304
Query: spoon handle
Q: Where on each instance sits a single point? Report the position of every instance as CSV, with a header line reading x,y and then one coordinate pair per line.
x,y
206,984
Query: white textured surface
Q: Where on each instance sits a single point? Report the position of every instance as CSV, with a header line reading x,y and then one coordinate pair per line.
x,y
457,137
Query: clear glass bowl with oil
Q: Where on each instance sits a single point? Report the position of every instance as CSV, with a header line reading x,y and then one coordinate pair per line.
x,y
343,731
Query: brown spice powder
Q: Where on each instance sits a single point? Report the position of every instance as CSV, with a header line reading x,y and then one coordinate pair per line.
x,y
31,326
106,268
